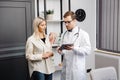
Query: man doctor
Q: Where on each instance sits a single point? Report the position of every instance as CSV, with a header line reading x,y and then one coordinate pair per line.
x,y
74,55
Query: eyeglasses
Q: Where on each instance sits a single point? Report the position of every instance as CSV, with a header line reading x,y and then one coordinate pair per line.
x,y
67,22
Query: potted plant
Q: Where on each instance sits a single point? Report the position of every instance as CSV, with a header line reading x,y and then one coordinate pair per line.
x,y
49,14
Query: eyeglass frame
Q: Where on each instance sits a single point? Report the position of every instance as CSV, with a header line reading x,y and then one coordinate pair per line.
x,y
67,22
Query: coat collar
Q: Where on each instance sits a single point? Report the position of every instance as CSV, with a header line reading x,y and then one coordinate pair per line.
x,y
39,42
75,30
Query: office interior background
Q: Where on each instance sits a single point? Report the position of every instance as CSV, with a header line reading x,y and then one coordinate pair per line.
x,y
16,18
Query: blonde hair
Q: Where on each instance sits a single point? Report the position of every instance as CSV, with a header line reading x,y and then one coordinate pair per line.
x,y
37,21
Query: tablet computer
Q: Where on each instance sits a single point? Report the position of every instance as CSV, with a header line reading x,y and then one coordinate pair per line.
x,y
64,45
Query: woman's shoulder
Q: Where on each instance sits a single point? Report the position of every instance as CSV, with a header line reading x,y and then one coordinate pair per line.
x,y
30,38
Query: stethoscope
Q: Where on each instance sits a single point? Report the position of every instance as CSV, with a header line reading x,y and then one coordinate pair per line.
x,y
76,34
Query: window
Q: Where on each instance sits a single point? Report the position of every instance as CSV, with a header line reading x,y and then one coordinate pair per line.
x,y
108,25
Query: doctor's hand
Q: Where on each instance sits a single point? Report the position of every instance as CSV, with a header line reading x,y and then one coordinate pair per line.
x,y
59,50
68,47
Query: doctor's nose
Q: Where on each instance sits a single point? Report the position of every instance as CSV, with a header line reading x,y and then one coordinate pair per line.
x,y
66,24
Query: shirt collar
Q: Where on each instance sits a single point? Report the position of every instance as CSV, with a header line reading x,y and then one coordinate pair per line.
x,y
74,30
70,30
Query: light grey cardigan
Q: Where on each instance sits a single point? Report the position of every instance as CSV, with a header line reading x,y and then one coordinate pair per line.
x,y
34,50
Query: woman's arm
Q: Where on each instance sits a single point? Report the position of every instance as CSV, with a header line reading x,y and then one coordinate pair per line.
x,y
47,55
30,52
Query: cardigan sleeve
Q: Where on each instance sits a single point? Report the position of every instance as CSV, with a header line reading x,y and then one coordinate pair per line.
x,y
30,52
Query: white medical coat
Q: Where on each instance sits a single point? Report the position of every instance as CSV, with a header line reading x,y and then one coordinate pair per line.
x,y
74,60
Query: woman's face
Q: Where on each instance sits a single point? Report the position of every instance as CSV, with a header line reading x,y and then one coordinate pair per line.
x,y
42,26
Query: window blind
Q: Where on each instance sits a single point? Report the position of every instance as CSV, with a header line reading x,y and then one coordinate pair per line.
x,y
108,25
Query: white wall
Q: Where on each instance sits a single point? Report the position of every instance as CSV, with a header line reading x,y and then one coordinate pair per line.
x,y
89,24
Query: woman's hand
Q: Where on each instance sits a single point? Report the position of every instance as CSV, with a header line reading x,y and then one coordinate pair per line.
x,y
52,37
47,55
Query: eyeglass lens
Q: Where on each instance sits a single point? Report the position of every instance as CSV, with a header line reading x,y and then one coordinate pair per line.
x,y
67,22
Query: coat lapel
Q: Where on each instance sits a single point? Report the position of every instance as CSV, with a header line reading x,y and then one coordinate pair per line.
x,y
39,42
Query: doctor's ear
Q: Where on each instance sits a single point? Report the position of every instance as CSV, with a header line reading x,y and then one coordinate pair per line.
x,y
74,20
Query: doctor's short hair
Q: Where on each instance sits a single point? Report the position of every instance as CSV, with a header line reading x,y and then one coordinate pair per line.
x,y
36,22
70,13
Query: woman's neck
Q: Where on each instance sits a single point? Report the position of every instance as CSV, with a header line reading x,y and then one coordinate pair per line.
x,y
41,34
